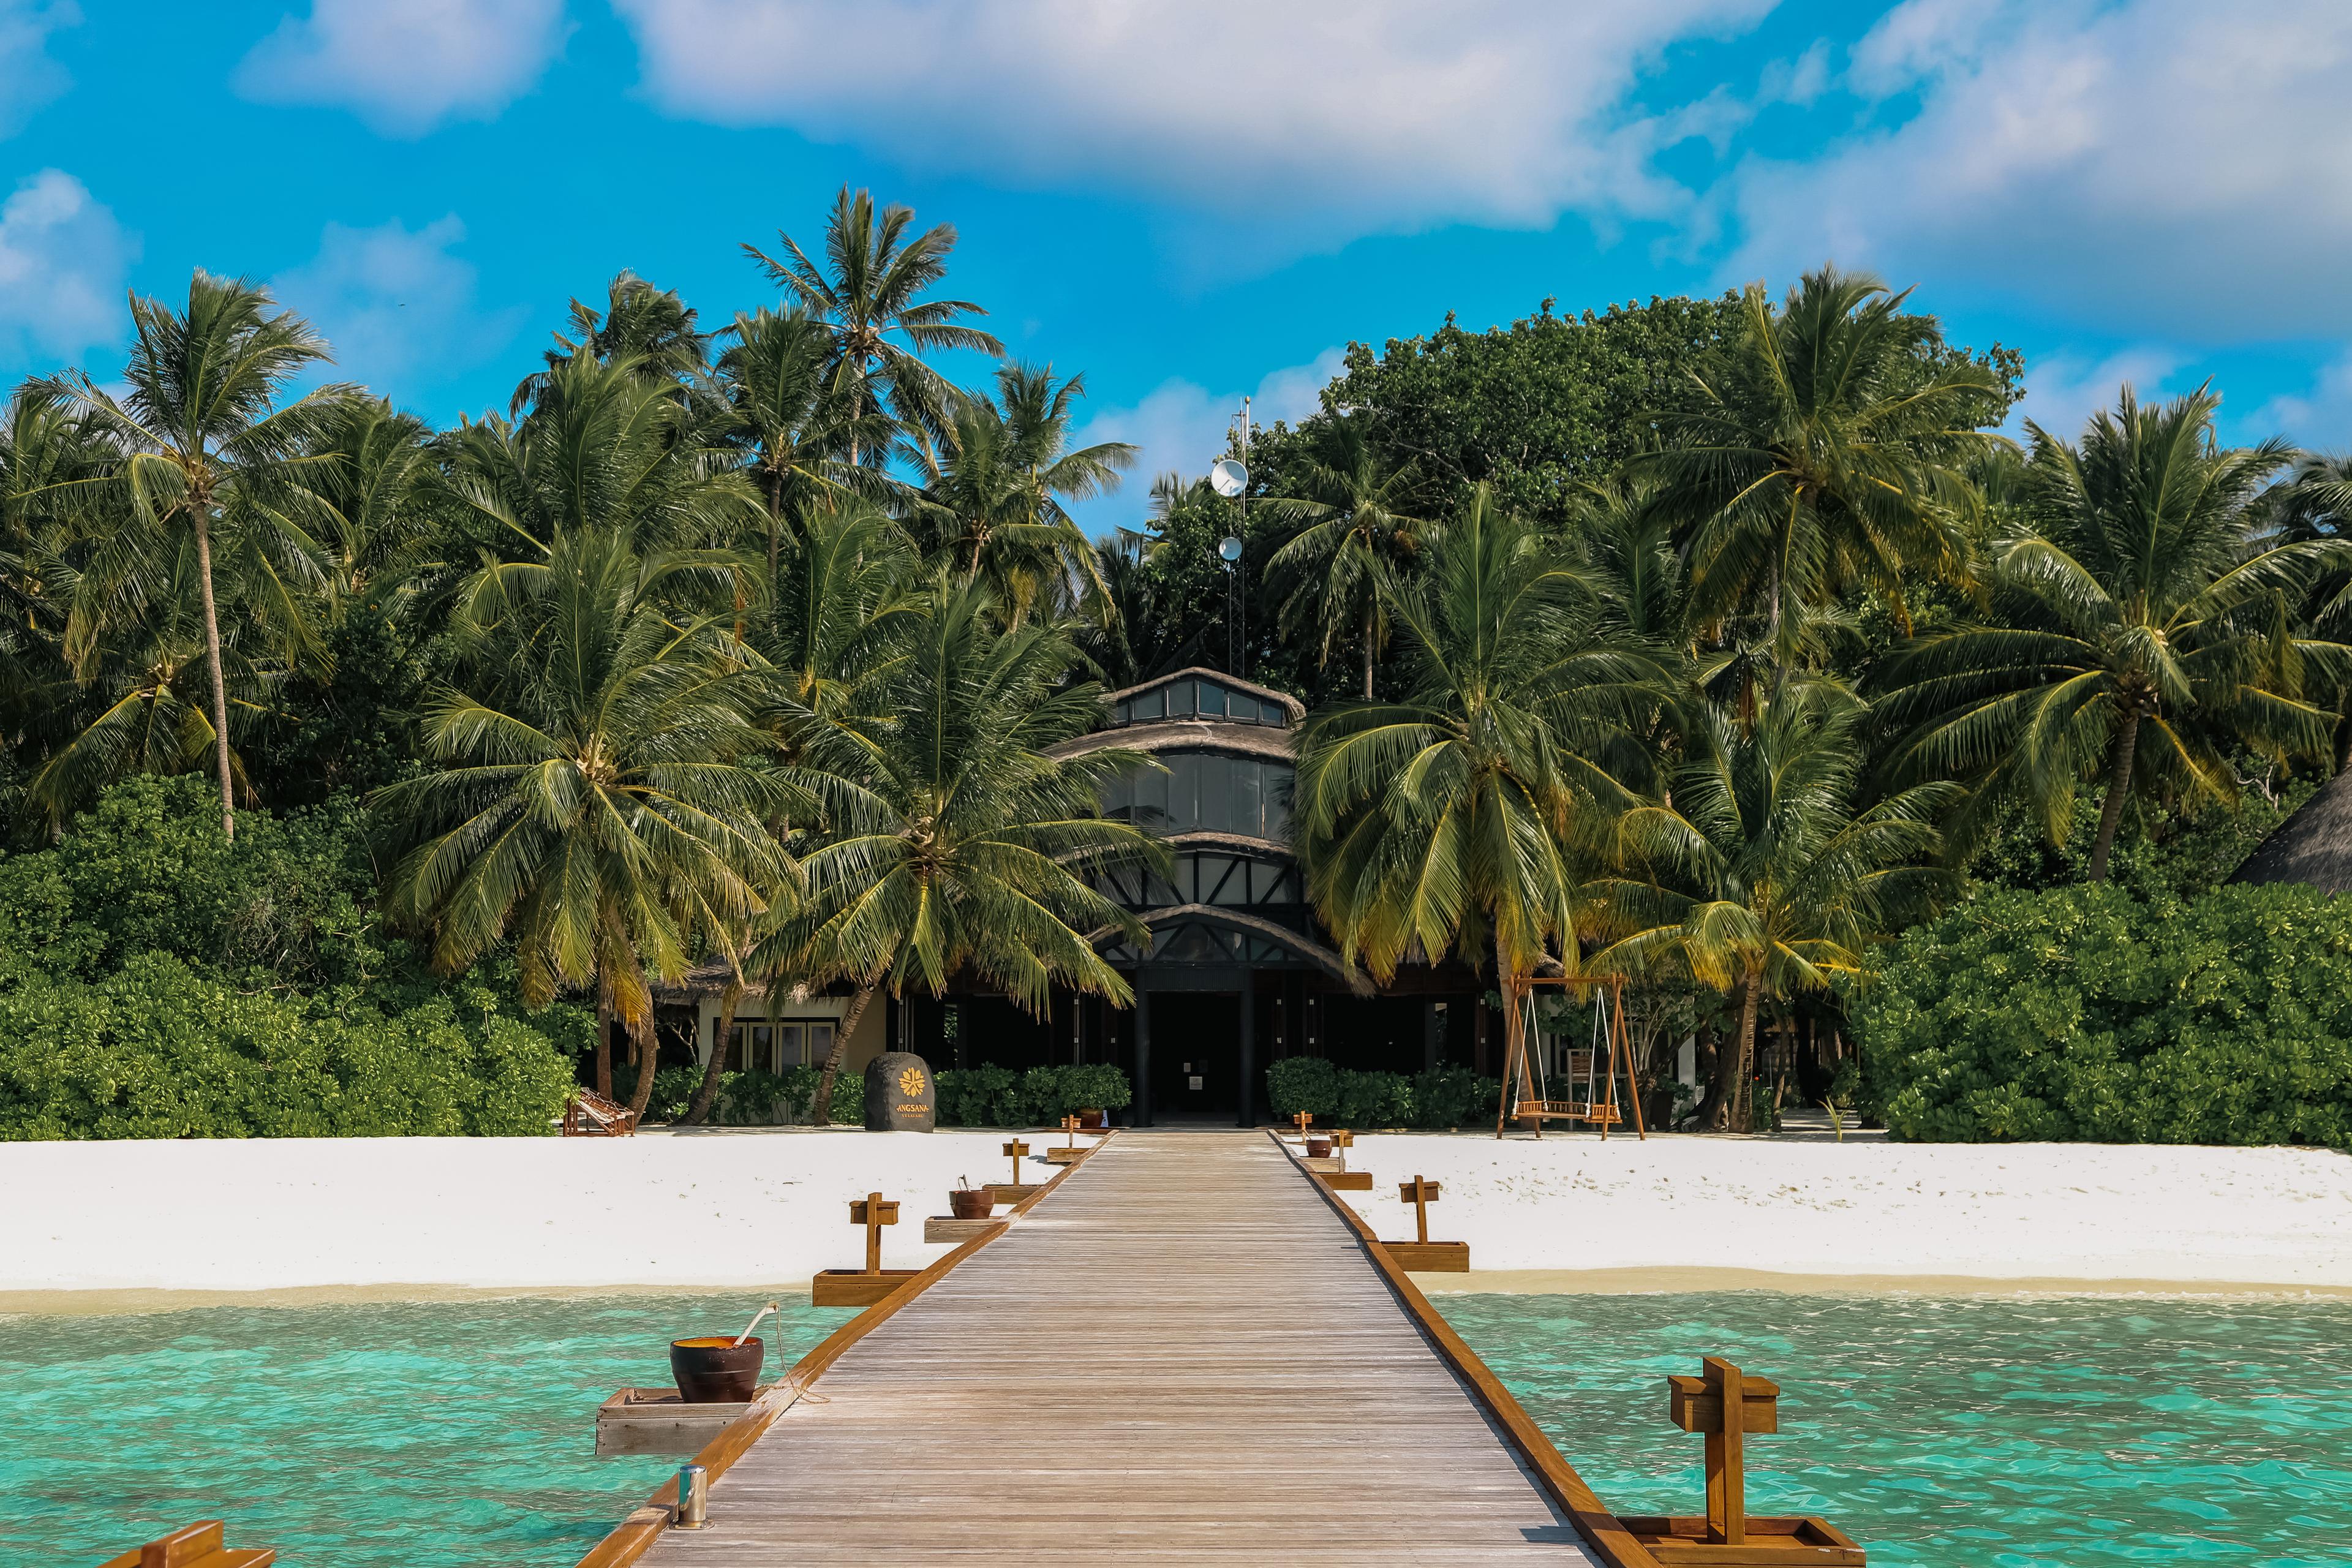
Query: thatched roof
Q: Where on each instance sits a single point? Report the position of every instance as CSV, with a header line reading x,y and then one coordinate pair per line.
x,y
2314,847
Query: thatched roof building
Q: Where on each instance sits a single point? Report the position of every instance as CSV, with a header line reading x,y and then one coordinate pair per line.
x,y
2314,847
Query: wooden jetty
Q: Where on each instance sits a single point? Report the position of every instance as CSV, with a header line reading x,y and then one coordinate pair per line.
x,y
1186,1350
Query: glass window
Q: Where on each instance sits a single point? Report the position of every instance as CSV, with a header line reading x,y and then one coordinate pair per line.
x,y
1123,712
1151,705
1279,777
1212,698
1149,807
1241,706
1179,700
1249,796
816,1044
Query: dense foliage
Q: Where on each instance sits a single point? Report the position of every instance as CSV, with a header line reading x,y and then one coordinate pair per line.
x,y
990,1096
2083,1013
160,980
1447,1097
354,766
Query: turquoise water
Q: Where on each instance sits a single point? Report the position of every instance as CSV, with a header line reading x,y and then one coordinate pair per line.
x,y
345,1437
1958,1434
2071,1433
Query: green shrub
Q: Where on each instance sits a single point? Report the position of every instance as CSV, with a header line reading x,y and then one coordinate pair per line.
x,y
1303,1083
1337,1096
796,1086
990,1096
159,1051
2084,1014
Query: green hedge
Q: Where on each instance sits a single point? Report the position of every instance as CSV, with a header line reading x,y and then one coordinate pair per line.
x,y
1340,1097
997,1097
2084,1014
157,1051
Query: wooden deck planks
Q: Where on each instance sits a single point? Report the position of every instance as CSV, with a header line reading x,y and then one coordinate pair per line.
x,y
1182,1356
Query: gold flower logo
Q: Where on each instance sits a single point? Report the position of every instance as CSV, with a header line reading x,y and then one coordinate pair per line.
x,y
911,1081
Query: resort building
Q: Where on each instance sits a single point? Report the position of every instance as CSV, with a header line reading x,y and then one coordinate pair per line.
x,y
1238,973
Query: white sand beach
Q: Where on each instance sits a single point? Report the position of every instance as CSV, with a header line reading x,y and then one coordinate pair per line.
x,y
1687,1212
393,1216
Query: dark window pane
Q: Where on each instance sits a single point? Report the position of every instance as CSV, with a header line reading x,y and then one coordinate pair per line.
x,y
1212,698
1184,793
1152,791
1123,713
1246,809
1241,706
1179,700
1278,780
1151,705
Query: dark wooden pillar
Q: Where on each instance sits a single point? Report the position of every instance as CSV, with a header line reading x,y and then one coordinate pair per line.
x,y
1247,1117
1142,1052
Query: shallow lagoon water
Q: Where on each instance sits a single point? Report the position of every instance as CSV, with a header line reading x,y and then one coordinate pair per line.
x,y
2063,1432
2081,1431
347,1436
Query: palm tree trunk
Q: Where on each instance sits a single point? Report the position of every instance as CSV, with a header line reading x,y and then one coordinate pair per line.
x,y
821,1108
213,668
2111,812
708,1090
1369,623
648,1054
604,1038
1731,1112
1514,1037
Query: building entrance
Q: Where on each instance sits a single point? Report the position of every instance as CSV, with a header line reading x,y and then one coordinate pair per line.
x,y
1196,1054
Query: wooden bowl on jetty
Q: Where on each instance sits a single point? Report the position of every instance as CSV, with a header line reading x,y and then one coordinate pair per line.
x,y
971,1203
716,1371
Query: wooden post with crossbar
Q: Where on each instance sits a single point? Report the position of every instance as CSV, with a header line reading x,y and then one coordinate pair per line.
x,y
873,1210
1016,1149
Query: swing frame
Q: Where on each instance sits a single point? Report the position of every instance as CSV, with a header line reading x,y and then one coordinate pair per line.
x,y
1534,1111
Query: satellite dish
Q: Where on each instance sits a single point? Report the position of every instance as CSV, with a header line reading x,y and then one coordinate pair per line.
x,y
1228,478
1231,548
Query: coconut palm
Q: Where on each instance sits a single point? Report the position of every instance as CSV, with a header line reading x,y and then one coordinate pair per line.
x,y
870,295
797,431
1758,875
953,842
1445,820
207,461
651,327
992,500
373,518
602,814
1828,452
2313,505
1355,510
2133,632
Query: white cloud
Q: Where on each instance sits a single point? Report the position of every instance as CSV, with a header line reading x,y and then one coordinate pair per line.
x,y
1182,427
2319,418
2064,390
405,66
28,77
63,263
2112,161
1371,114
394,302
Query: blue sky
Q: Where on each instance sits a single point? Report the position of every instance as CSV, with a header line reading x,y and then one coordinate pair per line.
x,y
1189,201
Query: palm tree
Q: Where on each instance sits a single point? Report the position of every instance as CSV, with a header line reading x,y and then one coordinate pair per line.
x,y
1445,820
870,297
994,491
797,430
2132,629
1757,875
206,455
2313,505
1353,507
1828,452
651,327
953,842
604,815
372,521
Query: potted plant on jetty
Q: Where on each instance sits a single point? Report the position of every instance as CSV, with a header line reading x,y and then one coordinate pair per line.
x,y
968,1202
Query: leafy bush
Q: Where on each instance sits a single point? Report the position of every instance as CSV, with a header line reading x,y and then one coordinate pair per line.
x,y
1438,1097
158,980
2082,1013
993,1095
159,1051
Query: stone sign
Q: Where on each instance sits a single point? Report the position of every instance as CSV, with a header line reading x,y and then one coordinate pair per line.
x,y
900,1094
